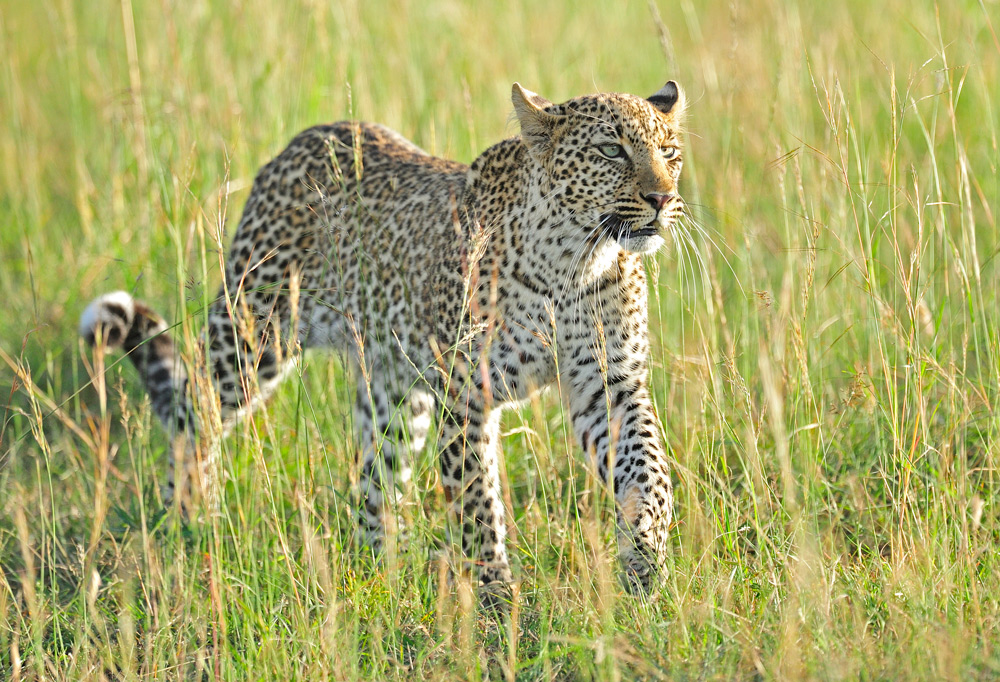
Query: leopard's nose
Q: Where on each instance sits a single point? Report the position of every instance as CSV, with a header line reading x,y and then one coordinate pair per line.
x,y
657,199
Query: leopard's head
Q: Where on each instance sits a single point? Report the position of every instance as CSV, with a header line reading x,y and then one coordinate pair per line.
x,y
611,159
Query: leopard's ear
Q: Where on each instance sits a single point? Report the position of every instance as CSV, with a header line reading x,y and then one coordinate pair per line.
x,y
668,99
536,123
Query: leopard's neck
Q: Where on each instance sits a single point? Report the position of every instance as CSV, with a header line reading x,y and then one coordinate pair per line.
x,y
520,206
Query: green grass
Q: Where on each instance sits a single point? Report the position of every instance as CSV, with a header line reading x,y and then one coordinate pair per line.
x,y
828,383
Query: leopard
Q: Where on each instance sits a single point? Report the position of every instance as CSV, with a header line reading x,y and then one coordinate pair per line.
x,y
455,292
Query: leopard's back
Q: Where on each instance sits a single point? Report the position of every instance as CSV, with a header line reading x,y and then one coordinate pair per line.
x,y
362,218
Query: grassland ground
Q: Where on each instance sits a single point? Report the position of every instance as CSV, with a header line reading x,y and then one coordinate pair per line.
x,y
826,362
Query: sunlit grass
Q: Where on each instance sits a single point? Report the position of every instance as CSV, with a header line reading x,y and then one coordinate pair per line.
x,y
827,382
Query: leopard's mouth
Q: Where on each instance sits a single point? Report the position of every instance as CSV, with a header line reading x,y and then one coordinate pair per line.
x,y
643,238
619,227
647,230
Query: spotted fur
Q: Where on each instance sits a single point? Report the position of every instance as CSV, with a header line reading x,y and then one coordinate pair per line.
x,y
456,291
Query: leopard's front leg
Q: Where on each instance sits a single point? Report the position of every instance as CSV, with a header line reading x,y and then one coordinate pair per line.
x,y
604,374
470,474
617,427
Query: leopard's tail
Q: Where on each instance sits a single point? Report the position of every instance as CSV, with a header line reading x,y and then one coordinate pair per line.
x,y
119,322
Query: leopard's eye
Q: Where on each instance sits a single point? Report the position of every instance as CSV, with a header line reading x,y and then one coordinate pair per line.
x,y
612,151
670,152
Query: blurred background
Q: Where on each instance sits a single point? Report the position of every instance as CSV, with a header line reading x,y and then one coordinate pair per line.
x,y
825,348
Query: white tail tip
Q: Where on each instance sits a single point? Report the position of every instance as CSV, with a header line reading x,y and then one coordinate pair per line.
x,y
113,312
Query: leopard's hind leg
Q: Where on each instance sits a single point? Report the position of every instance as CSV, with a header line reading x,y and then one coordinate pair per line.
x,y
248,349
393,416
